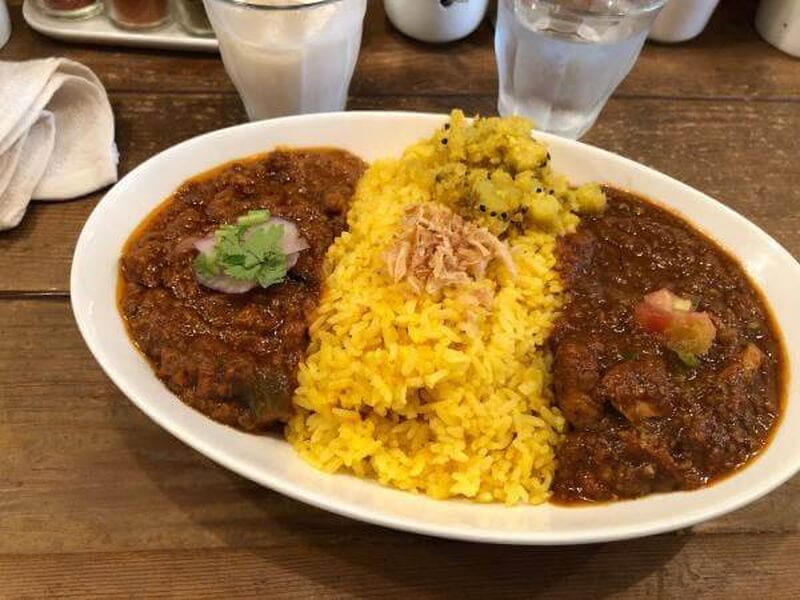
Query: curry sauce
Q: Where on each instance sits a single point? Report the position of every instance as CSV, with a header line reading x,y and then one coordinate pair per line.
x,y
234,357
642,418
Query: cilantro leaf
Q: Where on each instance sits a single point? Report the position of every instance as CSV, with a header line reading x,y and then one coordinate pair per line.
x,y
689,359
273,270
250,250
242,272
229,240
263,240
205,265
254,217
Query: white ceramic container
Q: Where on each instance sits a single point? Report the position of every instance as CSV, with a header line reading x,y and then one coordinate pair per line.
x,y
270,460
778,22
436,21
682,20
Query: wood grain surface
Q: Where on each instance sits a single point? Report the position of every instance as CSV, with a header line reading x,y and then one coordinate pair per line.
x,y
97,501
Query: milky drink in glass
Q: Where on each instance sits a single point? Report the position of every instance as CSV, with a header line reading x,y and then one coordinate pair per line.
x,y
560,60
289,57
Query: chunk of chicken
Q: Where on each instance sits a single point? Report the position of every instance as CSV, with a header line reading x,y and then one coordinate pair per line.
x,y
639,389
575,376
623,463
742,367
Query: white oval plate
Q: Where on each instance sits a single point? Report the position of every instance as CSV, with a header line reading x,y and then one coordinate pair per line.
x,y
271,462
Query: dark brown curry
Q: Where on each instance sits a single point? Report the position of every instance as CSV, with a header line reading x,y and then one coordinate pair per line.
x,y
644,418
234,356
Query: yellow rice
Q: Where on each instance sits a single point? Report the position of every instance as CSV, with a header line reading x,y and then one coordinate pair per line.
x,y
435,394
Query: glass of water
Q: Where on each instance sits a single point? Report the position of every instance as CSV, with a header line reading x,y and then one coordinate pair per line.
x,y
560,60
289,57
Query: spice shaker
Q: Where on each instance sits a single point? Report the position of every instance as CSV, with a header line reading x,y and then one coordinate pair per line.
x,y
70,9
193,18
436,20
137,14
778,22
682,20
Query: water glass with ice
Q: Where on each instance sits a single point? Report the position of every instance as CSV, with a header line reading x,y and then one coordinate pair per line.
x,y
560,60
289,57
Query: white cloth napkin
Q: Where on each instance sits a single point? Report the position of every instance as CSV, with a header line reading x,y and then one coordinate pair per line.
x,y
56,134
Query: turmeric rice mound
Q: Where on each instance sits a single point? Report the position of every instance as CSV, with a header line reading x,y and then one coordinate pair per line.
x,y
443,393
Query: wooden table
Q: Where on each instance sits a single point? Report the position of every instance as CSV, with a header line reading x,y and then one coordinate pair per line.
x,y
97,500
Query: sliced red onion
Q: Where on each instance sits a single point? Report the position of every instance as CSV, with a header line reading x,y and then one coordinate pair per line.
x,y
292,243
221,283
226,284
206,244
185,244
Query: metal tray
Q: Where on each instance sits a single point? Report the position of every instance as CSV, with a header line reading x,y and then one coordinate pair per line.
x,y
99,30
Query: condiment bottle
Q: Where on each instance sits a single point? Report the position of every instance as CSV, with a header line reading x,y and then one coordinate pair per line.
x,y
70,9
137,14
193,18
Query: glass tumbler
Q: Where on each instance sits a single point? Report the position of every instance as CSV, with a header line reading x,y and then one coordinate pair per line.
x,y
560,60
289,57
